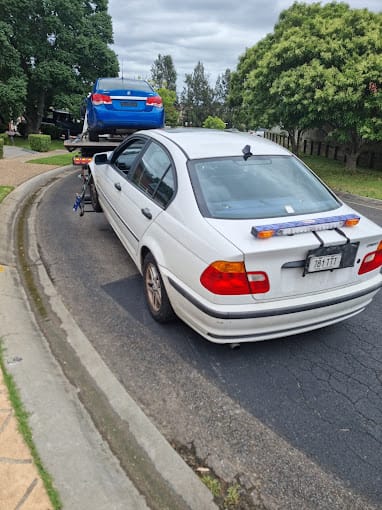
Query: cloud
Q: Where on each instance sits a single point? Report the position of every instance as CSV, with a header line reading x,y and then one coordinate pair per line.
x,y
213,32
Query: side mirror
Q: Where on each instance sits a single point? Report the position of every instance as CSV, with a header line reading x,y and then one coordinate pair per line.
x,y
100,159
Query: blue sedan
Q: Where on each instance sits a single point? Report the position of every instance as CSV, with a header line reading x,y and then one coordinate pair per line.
x,y
121,105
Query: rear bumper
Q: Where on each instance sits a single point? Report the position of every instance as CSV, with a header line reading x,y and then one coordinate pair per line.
x,y
103,120
263,321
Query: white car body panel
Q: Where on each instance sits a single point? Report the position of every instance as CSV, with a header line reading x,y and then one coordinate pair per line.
x,y
184,244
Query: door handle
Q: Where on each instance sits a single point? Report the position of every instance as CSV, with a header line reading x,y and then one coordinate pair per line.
x,y
146,212
117,186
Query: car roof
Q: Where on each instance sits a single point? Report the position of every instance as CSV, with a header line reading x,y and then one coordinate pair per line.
x,y
199,143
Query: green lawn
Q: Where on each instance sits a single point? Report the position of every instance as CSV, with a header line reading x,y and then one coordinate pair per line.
x,y
57,159
4,191
364,182
23,142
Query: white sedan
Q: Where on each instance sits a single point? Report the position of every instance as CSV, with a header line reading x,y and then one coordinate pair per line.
x,y
235,235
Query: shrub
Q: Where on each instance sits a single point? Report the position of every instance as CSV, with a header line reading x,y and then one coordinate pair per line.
x,y
50,129
1,147
4,137
39,143
214,123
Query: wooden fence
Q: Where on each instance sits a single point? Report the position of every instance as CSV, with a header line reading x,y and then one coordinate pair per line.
x,y
371,159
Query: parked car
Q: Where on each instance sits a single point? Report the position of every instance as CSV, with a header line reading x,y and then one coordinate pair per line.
x,y
235,235
121,105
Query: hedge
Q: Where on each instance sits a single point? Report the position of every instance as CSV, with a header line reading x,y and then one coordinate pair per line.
x,y
50,129
1,147
39,143
5,138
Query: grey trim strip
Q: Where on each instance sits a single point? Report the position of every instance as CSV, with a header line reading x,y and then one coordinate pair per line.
x,y
283,331
268,313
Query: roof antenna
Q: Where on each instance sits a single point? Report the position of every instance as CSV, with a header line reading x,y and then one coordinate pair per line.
x,y
246,152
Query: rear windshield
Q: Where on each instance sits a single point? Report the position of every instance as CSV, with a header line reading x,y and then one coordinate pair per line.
x,y
260,187
123,84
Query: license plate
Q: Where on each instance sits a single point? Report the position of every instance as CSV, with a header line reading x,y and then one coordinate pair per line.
x,y
131,104
326,258
324,263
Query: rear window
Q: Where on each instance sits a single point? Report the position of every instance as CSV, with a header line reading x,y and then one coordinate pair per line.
x,y
260,187
123,84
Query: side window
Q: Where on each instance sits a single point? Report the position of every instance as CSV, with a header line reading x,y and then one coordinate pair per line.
x,y
126,159
155,174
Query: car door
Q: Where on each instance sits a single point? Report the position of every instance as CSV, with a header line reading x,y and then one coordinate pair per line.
x,y
112,178
144,192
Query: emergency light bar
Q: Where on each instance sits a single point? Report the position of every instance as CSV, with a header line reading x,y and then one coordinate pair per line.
x,y
302,226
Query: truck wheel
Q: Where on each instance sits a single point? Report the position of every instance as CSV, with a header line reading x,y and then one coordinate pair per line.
x,y
94,196
155,292
93,136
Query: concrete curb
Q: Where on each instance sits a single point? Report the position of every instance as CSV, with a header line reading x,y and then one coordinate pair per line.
x,y
85,472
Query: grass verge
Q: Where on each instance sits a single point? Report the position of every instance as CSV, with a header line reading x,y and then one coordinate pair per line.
x,y
57,159
4,191
24,143
364,182
24,428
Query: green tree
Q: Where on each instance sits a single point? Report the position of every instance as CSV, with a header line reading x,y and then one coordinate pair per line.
x,y
321,67
222,85
197,97
163,74
12,80
62,47
169,100
214,123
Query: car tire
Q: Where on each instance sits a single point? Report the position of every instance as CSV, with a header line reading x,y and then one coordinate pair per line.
x,y
93,136
94,196
155,293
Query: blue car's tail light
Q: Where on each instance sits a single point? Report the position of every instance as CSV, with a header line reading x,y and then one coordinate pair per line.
x,y
154,101
98,99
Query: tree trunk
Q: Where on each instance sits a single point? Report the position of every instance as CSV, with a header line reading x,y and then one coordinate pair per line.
x,y
351,161
35,112
352,152
295,138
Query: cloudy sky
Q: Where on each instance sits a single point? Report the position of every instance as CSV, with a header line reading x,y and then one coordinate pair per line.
x,y
215,32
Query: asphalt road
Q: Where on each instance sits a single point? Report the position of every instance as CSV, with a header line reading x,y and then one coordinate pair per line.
x,y
299,419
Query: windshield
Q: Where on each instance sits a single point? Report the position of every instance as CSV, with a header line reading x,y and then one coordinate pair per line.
x,y
260,187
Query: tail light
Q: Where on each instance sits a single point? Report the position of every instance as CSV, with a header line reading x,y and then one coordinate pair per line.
x,y
372,260
231,278
98,99
154,101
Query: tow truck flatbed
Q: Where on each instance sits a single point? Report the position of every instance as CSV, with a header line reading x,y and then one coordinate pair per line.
x,y
87,149
94,147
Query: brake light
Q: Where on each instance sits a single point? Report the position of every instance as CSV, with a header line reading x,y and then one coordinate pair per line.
x,y
98,99
154,101
372,260
231,278
81,160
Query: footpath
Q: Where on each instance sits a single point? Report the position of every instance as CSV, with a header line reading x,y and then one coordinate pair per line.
x,y
85,473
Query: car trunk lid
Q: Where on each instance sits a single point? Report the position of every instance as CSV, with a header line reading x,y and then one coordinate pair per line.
x,y
303,263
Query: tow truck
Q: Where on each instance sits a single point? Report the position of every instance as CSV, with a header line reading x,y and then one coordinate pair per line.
x,y
85,150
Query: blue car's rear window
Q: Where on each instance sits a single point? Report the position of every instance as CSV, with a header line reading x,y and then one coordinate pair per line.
x,y
123,84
